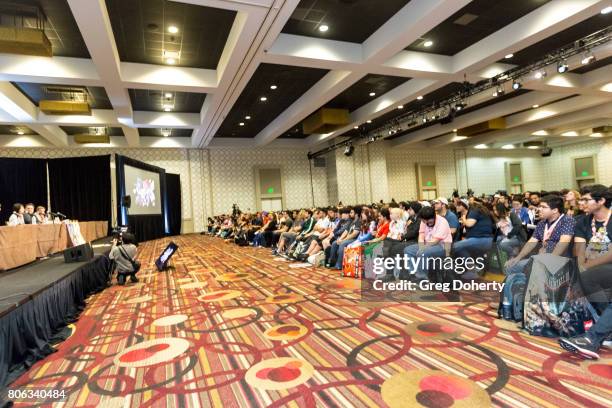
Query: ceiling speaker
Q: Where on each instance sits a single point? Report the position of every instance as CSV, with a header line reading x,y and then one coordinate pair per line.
x,y
25,41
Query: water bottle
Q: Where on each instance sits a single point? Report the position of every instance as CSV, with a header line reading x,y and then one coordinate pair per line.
x,y
506,309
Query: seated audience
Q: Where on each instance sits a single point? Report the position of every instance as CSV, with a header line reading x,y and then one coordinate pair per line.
x,y
554,232
510,232
17,217
347,237
594,255
435,241
478,239
441,207
366,232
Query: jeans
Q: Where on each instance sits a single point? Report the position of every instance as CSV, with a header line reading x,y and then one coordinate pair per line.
x,y
340,252
509,245
595,283
424,252
472,247
518,267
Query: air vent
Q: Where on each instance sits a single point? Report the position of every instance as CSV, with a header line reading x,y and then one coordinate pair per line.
x,y
64,108
67,93
465,19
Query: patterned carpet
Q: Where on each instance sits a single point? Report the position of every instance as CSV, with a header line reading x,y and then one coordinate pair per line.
x,y
235,327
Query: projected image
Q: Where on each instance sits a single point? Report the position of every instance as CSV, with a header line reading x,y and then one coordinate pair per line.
x,y
144,192
144,188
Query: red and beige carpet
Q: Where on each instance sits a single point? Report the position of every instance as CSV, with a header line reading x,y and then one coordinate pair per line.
x,y
235,327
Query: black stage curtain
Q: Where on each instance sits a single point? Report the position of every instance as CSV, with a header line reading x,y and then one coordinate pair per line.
x,y
23,181
27,332
81,187
146,227
173,207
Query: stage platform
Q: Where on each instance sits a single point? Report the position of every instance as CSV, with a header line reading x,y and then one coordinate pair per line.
x,y
38,300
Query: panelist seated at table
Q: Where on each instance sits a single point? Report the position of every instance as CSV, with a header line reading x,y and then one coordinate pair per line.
x,y
41,215
28,215
17,217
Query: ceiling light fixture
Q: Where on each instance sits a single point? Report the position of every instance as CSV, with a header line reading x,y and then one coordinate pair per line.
x,y
355,127
263,99
167,108
168,95
533,147
323,28
508,147
596,134
368,121
588,58
21,132
455,130
516,85
400,106
499,91
540,74
372,93
562,67
241,124
420,97
606,10
571,133
247,117
481,146
427,43
273,87
535,106
173,29
170,61
508,56
166,132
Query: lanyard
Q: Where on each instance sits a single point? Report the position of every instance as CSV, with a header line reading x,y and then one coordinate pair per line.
x,y
604,225
548,231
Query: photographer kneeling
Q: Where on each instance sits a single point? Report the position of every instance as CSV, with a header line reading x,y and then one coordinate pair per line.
x,y
124,256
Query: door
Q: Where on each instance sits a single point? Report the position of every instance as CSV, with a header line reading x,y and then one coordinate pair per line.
x,y
269,189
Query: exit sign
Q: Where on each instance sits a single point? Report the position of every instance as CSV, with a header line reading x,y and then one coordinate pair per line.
x,y
585,173
271,190
516,178
429,183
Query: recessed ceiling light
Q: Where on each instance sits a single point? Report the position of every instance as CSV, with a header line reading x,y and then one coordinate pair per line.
x,y
21,132
540,133
571,133
596,134
173,29
533,147
419,97
247,117
481,146
323,28
263,99
355,127
455,130
400,106
428,43
368,121
273,86
606,10
508,56
540,74
372,93
170,61
516,85
168,95
241,124
508,147
535,106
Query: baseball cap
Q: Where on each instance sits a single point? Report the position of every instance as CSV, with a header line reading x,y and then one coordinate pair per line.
x,y
441,200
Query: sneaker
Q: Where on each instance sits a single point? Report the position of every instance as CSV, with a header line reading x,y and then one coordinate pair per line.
x,y
607,341
121,279
581,345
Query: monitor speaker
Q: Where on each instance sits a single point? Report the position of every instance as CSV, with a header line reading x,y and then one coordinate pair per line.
x,y
79,253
